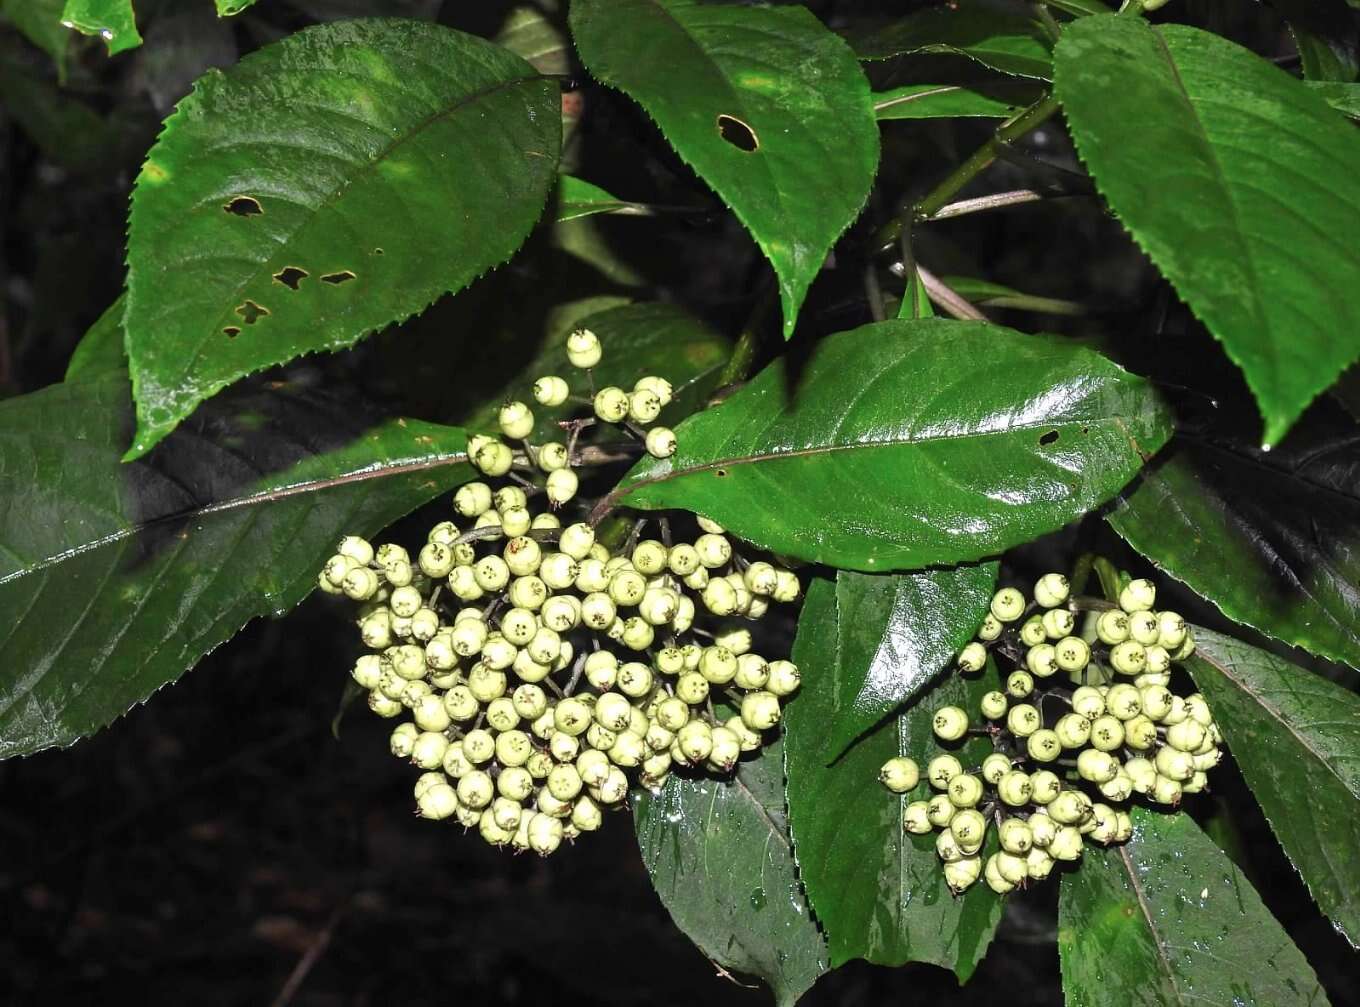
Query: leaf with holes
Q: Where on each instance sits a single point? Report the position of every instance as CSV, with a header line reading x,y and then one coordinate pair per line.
x,y
719,855
897,633
1168,919
766,104
878,891
638,339
1326,36
1296,738
1013,43
1232,189
1271,538
111,20
906,444
117,578
984,99
328,184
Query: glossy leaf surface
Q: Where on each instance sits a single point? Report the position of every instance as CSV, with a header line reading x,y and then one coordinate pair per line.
x,y
878,892
1002,40
1231,189
904,444
1168,919
578,198
765,103
921,621
990,100
327,185
115,579
1296,738
720,857
110,20
1271,538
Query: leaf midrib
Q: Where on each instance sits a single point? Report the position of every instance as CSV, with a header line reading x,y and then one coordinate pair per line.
x,y
1141,895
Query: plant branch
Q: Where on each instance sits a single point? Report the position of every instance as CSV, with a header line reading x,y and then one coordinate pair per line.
x,y
950,301
993,201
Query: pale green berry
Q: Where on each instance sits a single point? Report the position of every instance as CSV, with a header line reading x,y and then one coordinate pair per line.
x,y
993,705
950,723
539,765
337,567
965,790
962,874
947,847
1128,658
572,716
942,769
405,601
659,606
973,658
602,667
1195,784
583,349
1107,733
658,386
1186,736
1139,596
1032,631
506,813
516,420
969,828
586,814
692,687
611,404
561,613
760,710
437,802
1042,660
1165,790
529,701
714,550
1088,701
564,782
1051,590
752,672
1058,623
1171,630
428,750
726,749
750,741
360,583
635,680
1039,864
1015,788
1043,745
1123,701
463,583
1016,837
1044,786
638,633
476,790
1103,825
402,741
613,711
559,571
1023,719
1096,766
1112,627
673,713
990,629
1143,627
430,715
563,747
995,766
695,740
900,774
915,818
684,616
698,580
561,486
1208,760
522,556
1019,684
1073,730
1042,829
1008,604
683,559
501,714
1071,807
460,704
1158,660
787,588
576,541
545,834
940,810
1142,773
720,597
660,442
1198,709
367,670
627,587
1072,653
424,624
1067,844
550,390
494,458
991,873
1117,788
1178,712
644,406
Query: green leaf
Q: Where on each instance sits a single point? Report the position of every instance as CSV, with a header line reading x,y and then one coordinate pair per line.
x,y
39,21
766,104
905,444
228,8
111,20
1296,738
896,634
115,578
1271,538
878,892
100,350
638,339
1168,919
1002,40
1345,98
1326,36
531,35
1231,186
328,184
579,198
996,295
991,100
720,857
63,126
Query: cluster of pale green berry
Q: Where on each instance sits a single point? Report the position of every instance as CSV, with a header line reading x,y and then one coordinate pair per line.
x,y
540,668
1084,721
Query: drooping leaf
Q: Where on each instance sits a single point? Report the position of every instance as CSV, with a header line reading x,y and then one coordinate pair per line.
x,y
1001,40
1343,97
578,198
897,633
229,8
39,21
115,579
1326,36
879,892
767,105
638,339
111,20
1296,738
1231,189
905,444
1168,919
100,350
331,183
720,857
991,100
1271,538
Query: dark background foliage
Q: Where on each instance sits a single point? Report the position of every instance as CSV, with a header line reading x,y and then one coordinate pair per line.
x,y
220,845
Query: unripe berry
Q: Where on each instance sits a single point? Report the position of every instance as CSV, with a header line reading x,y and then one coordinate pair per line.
x,y
1140,733
576,540
1066,845
940,810
475,790
752,672
561,486
367,671
644,406
1015,789
1039,864
786,587
990,629
572,716
1073,730
1103,825
635,680
991,873
1042,829
915,818
673,713
402,741
1117,788
428,750
430,715
714,550
950,723
695,740
1142,773
1016,837
586,814
1071,807
1128,658
1174,763
1042,660
692,688
965,790
947,847
337,567
1044,786
611,404
1032,631
1023,720
750,741
973,658
564,782
360,583
1058,623
995,766
1143,627
550,390
720,597
1123,701
1171,629
726,749
942,769
460,704
1043,745
660,442
545,834
1112,627
1008,604
638,634
760,710
1096,766
969,828
1072,653
993,705
627,587
1107,733
1165,790
583,348
1051,590
1088,701
962,874
1138,596
1019,684
494,458
437,802
516,420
